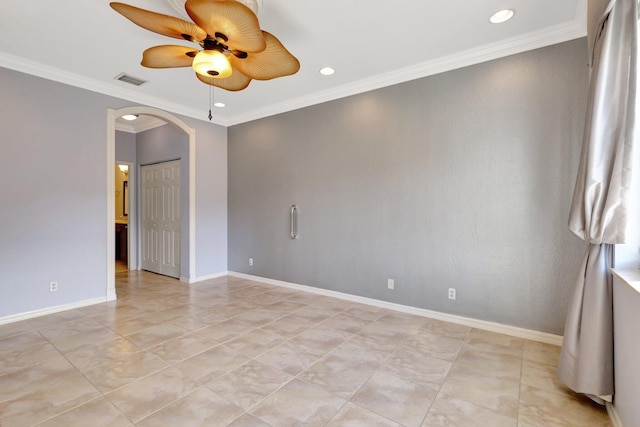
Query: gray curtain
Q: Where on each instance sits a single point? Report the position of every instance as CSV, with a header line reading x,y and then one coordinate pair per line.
x,y
599,207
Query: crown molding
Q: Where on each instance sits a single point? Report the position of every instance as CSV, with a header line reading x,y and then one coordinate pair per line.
x,y
50,73
525,42
504,48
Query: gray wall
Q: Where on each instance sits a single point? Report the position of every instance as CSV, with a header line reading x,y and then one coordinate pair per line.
x,y
53,212
125,147
458,180
162,144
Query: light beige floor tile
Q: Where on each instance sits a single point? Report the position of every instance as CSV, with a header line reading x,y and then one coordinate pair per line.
x,y
212,363
541,408
254,342
114,315
400,400
195,322
542,376
288,326
143,397
156,335
129,326
457,413
87,358
118,372
248,420
414,365
297,404
47,401
333,305
249,384
542,353
258,317
365,350
100,412
10,343
354,416
15,328
84,339
290,357
181,348
502,365
339,375
50,319
483,389
32,378
388,333
313,314
445,329
266,298
346,322
201,407
491,341
24,356
322,338
66,329
407,321
365,312
434,345
305,298
226,330
285,307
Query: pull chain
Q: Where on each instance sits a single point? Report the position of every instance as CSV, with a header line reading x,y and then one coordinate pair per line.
x,y
210,101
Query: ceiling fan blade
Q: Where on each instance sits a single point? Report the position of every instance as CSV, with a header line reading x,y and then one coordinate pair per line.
x,y
236,81
168,56
159,23
274,61
230,20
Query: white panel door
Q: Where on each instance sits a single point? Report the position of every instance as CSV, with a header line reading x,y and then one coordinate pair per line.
x,y
161,218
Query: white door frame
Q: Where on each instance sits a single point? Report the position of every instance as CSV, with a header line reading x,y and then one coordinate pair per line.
x,y
112,115
132,228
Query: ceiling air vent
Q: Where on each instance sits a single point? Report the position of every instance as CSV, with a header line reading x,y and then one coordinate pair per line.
x,y
123,77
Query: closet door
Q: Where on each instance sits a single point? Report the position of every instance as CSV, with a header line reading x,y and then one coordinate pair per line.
x,y
161,217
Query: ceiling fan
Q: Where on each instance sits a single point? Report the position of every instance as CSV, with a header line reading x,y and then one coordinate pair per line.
x,y
232,51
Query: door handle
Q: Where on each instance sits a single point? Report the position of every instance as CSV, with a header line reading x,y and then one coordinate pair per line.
x,y
293,222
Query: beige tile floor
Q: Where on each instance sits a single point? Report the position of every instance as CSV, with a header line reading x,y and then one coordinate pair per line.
x,y
232,352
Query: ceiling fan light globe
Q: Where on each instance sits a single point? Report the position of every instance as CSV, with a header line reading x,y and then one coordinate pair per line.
x,y
212,63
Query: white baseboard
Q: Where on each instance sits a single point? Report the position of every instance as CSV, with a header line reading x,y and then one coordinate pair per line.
x,y
613,415
207,277
51,310
514,331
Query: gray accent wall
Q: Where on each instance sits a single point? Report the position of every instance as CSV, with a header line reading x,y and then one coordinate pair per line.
x,y
53,208
459,180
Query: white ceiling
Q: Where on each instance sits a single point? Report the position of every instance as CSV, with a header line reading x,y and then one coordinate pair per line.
x,y
370,43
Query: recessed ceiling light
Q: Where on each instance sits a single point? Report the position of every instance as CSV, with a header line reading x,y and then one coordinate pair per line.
x,y
219,104
502,16
327,71
130,117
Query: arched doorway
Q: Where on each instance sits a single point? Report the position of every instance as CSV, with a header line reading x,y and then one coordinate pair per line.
x,y
112,115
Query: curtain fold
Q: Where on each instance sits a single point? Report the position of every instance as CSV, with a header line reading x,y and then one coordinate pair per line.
x,y
599,206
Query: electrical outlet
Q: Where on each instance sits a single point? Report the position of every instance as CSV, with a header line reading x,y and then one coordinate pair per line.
x,y
53,286
250,262
452,293
391,284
